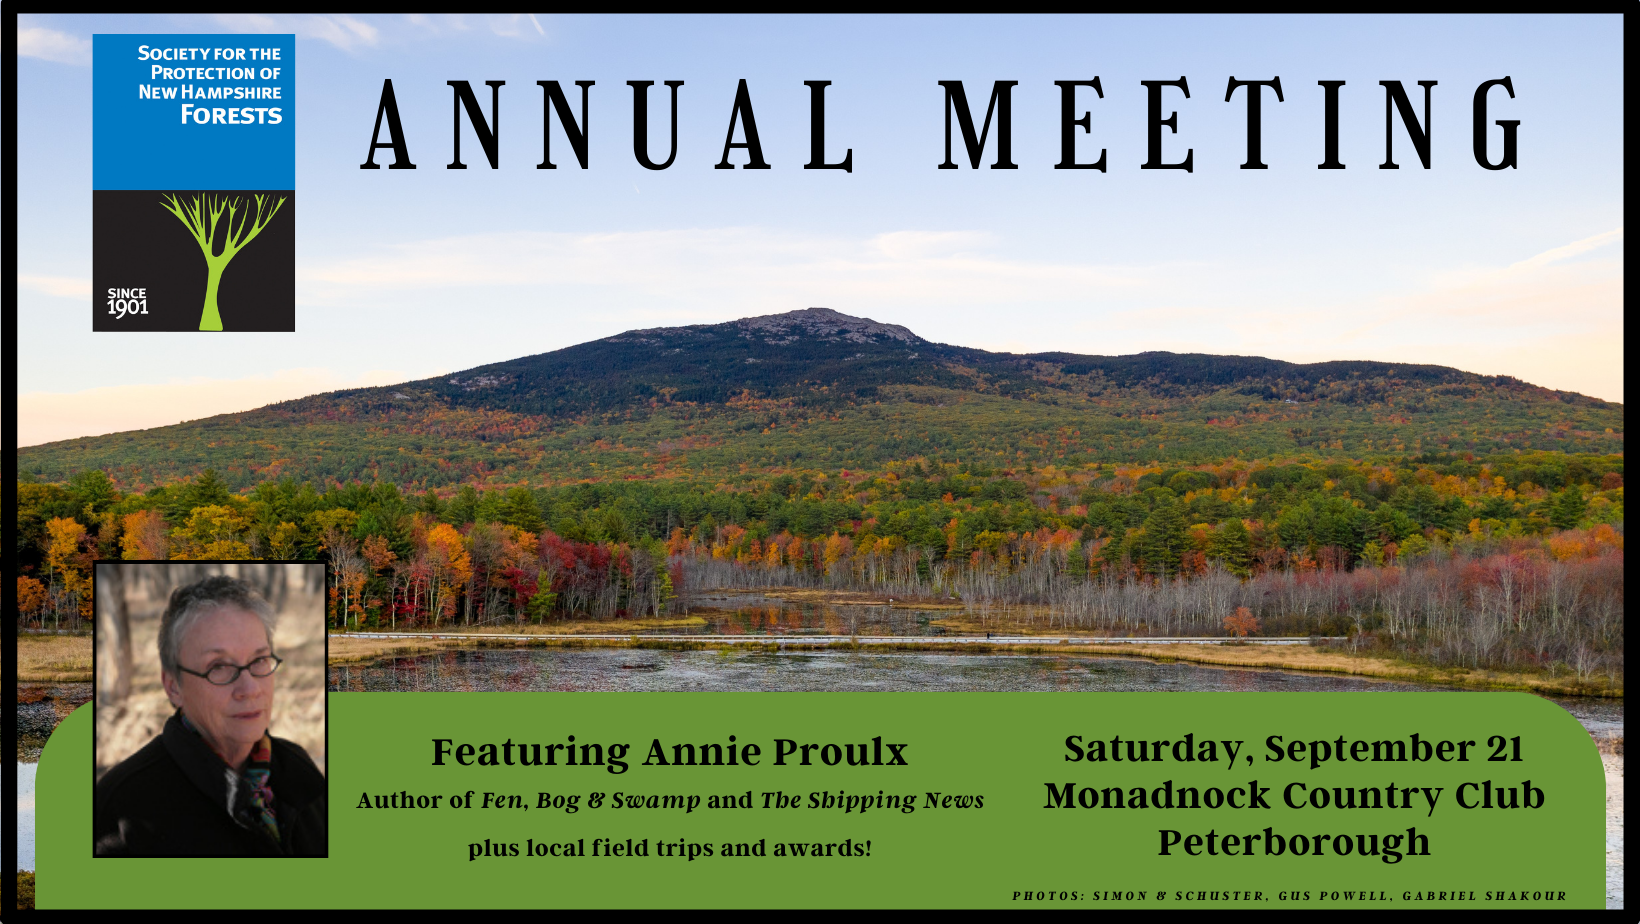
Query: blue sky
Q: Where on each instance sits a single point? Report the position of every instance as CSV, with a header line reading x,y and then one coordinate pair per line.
x,y
405,274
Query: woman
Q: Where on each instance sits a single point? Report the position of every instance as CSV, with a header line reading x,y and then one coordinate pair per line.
x,y
214,783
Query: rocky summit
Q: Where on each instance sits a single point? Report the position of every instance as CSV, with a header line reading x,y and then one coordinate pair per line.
x,y
821,324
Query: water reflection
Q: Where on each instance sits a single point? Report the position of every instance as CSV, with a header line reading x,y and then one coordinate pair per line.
x,y
728,669
25,814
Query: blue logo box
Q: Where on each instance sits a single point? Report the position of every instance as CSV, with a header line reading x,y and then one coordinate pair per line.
x,y
193,112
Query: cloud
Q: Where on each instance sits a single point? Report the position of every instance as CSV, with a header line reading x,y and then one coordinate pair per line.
x,y
750,267
1546,289
51,45
44,417
344,32
509,26
910,245
955,286
438,24
59,286
1568,251
422,26
1549,319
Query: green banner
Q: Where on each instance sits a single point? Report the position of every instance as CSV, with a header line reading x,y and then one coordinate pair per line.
x,y
1130,800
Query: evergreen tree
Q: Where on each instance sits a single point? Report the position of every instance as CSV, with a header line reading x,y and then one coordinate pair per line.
x,y
1568,508
463,508
1233,546
540,605
1076,563
491,508
1164,539
93,492
431,505
520,509
205,491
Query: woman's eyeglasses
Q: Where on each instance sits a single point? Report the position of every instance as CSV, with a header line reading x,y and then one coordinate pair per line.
x,y
224,674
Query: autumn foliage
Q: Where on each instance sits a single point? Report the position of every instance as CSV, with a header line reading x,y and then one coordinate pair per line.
x,y
1512,560
1241,623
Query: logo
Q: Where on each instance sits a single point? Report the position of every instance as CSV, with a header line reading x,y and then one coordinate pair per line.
x,y
201,215
200,260
193,167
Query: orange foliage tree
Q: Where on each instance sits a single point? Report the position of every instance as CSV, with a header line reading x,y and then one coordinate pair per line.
x,y
1242,624
31,596
449,566
145,537
66,563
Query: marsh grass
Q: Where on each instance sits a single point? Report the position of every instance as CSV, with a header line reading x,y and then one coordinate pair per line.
x,y
1338,660
351,649
54,658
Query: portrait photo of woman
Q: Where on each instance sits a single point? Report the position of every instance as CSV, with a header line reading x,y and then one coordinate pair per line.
x,y
217,779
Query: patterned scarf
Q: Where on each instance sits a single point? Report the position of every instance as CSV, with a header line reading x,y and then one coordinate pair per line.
x,y
250,799
257,771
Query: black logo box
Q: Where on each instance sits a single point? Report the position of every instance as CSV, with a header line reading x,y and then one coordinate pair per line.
x,y
137,243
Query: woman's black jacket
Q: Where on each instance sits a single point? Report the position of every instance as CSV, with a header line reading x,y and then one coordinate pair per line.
x,y
176,798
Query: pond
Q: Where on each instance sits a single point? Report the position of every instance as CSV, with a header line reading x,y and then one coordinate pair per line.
x,y
39,708
25,815
753,613
654,670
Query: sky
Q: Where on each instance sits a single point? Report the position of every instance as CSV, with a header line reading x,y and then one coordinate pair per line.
x,y
406,274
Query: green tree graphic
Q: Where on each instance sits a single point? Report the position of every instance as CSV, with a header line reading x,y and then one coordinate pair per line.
x,y
201,216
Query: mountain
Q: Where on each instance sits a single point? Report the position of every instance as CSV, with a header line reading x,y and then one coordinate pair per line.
x,y
816,388
824,356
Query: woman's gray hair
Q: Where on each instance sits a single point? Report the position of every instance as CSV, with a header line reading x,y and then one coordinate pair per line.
x,y
192,602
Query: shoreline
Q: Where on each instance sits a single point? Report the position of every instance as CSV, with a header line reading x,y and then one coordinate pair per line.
x,y
346,649
58,659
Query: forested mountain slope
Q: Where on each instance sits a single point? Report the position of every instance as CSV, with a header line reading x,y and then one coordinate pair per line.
x,y
817,389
